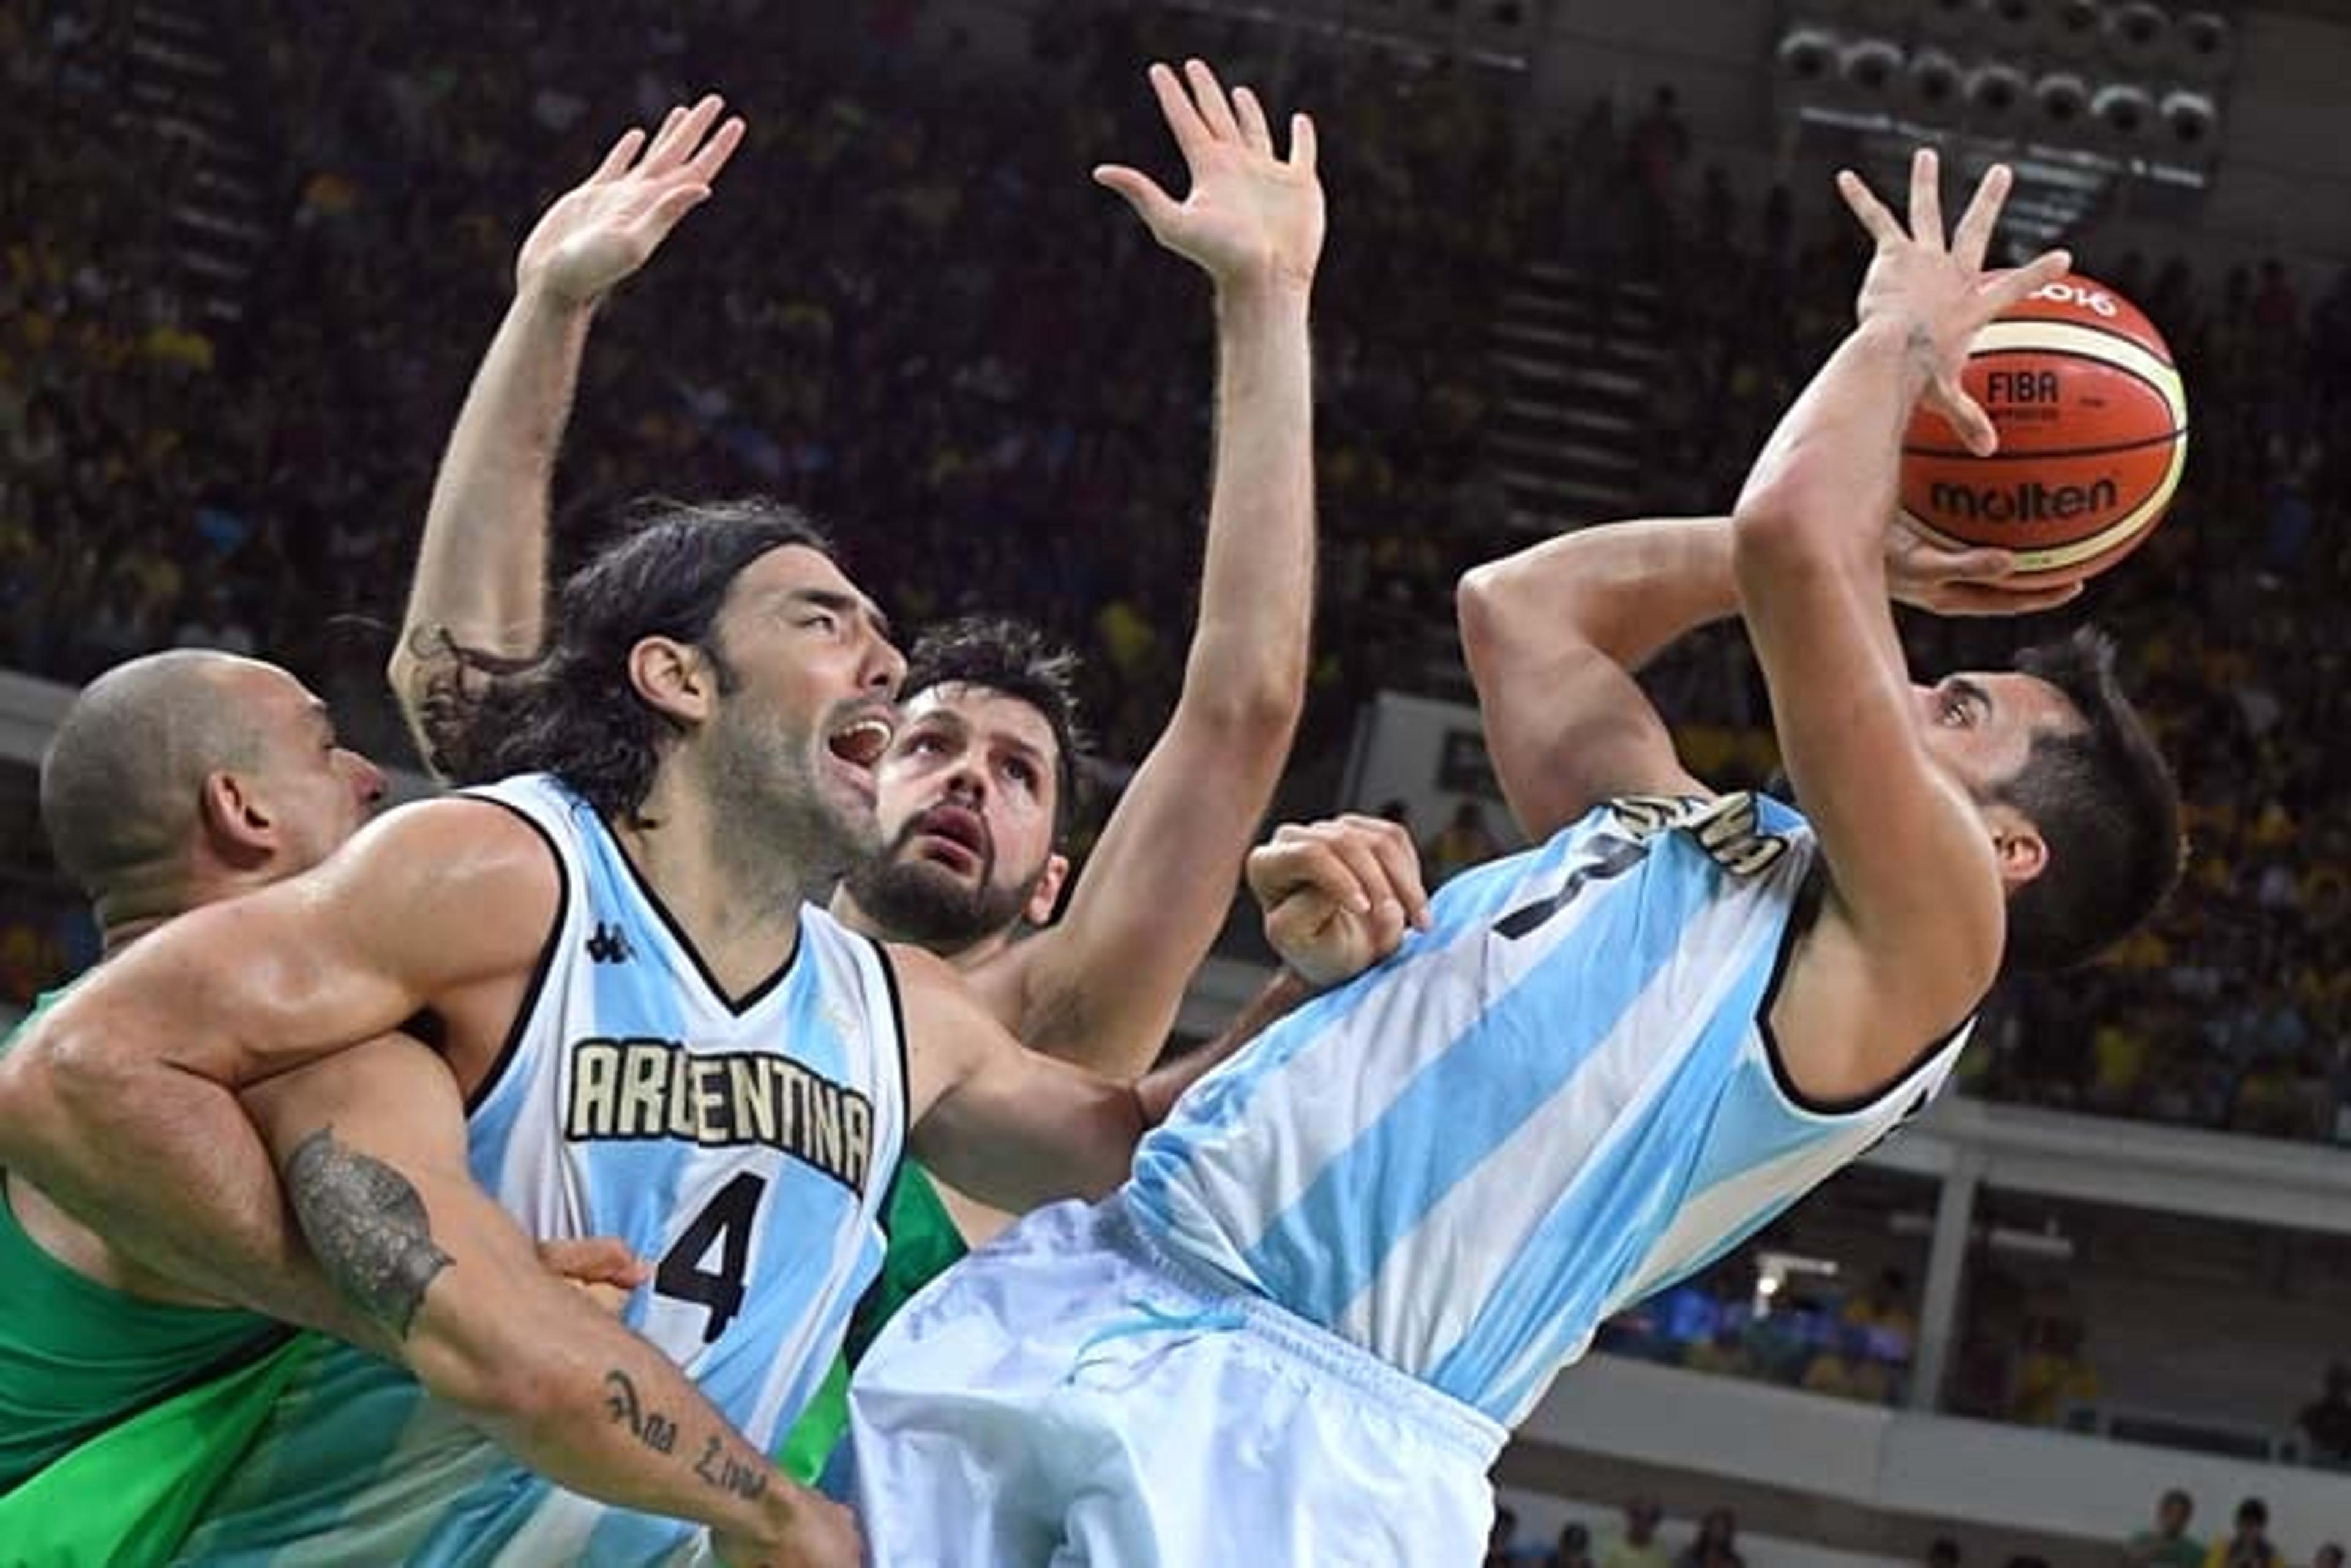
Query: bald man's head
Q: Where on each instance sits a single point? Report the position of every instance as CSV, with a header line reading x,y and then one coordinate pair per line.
x,y
190,751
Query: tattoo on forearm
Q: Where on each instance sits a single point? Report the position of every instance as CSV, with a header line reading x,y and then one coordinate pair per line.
x,y
744,1478
368,1225
651,1428
724,1471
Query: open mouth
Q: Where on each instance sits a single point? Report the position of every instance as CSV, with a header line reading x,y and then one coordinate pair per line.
x,y
954,836
862,742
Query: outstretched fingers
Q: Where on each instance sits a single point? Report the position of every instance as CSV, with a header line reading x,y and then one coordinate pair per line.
x,y
1254,129
1302,147
1192,134
623,154
1883,226
704,166
681,133
2001,291
1971,241
1152,204
1209,94
1927,197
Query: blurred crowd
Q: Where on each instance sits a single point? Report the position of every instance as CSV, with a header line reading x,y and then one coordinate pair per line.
x,y
909,309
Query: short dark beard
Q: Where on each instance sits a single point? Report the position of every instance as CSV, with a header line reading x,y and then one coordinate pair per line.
x,y
912,904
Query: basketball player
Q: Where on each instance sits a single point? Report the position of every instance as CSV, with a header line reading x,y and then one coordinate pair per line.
x,y
979,793
173,781
1362,1250
653,1039
976,793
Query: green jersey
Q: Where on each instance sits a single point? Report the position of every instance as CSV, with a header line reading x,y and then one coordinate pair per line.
x,y
923,1242
81,1366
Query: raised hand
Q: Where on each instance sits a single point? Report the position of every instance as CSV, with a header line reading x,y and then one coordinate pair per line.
x,y
1941,293
1951,580
1338,895
603,229
1252,215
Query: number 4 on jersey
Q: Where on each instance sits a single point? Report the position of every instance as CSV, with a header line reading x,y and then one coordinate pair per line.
x,y
726,1221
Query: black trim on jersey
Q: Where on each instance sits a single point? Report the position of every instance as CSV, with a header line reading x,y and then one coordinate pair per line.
x,y
906,1072
750,998
538,972
1810,897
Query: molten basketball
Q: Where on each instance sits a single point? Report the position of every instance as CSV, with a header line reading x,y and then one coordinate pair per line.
x,y
2093,424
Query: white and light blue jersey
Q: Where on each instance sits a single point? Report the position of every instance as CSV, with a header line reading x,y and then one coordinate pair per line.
x,y
1560,1098
743,1145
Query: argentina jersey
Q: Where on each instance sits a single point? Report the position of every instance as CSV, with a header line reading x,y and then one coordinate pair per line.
x,y
742,1147
1560,1098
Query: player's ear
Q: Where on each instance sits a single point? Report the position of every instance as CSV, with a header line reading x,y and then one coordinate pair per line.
x,y
2017,846
1046,893
676,679
237,823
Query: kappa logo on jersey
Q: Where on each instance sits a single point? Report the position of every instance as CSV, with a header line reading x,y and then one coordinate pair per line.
x,y
610,945
626,1089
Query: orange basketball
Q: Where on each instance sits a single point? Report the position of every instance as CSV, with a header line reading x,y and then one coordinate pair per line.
x,y
2093,424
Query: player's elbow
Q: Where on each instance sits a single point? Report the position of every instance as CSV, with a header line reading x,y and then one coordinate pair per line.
x,y
1252,703
405,674
1802,512
1484,611
1476,609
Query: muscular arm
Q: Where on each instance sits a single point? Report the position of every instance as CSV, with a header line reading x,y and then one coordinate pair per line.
x,y
120,1102
372,1146
1102,987
1553,635
1913,878
481,570
1016,1129
1908,861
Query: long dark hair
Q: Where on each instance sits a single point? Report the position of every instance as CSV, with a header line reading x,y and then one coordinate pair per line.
x,y
570,709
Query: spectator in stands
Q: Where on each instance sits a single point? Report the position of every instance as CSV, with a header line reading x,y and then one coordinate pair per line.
x,y
1724,1352
1573,1548
1503,1547
2327,1421
1638,1547
1884,1310
2328,1556
1844,1368
1716,1545
2247,1546
2054,1377
1943,1552
2169,1544
1463,842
